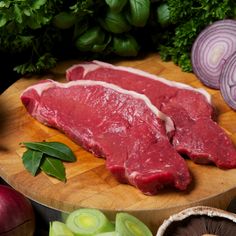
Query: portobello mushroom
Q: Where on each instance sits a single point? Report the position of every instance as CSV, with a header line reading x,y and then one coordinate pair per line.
x,y
199,221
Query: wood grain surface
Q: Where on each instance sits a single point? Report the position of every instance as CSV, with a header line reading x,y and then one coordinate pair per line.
x,y
89,184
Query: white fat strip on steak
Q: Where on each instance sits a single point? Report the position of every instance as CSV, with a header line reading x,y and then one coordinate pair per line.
x,y
41,87
99,64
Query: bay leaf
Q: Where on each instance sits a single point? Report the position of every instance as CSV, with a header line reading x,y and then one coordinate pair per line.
x,y
53,167
31,160
54,149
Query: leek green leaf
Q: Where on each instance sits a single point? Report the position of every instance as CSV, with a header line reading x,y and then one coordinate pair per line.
x,y
128,225
113,233
57,228
53,167
54,149
31,160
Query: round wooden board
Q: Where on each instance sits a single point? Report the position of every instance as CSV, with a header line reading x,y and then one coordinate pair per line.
x,y
89,184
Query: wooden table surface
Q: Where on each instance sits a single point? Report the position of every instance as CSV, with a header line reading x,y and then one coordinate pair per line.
x,y
89,184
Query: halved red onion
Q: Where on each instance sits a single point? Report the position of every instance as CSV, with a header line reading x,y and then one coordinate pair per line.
x,y
16,213
211,49
228,81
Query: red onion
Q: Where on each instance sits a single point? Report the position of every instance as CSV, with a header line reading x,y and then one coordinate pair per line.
x,y
16,213
210,50
228,81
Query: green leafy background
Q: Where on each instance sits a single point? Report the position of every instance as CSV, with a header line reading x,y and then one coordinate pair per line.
x,y
34,39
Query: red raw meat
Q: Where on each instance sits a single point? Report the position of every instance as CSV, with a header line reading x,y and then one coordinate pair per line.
x,y
119,125
188,108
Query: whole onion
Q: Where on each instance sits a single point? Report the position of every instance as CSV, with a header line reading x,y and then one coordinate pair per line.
x,y
16,213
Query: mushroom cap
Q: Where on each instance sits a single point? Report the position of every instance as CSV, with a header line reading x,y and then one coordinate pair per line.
x,y
195,211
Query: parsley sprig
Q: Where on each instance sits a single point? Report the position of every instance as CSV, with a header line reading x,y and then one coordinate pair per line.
x,y
186,20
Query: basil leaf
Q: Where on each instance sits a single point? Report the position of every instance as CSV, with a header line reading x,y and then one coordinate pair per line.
x,y
139,11
54,149
125,46
116,5
115,23
31,160
54,167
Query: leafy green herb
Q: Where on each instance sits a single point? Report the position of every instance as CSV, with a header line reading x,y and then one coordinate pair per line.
x,y
53,167
48,157
115,23
93,36
44,62
138,13
186,19
116,5
54,149
125,46
36,34
64,20
163,15
31,160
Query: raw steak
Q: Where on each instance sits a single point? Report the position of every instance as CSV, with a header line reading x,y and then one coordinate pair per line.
x,y
119,125
189,108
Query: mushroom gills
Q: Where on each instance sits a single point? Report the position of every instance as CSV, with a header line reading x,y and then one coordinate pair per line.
x,y
202,226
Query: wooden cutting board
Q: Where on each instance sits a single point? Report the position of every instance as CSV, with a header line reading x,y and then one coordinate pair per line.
x,y
89,184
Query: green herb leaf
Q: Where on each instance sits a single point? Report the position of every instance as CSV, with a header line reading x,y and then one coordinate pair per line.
x,y
93,36
116,5
18,14
31,160
54,167
54,149
38,3
125,46
139,11
45,61
3,20
115,22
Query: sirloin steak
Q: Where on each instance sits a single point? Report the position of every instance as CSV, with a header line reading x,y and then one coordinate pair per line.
x,y
197,135
119,125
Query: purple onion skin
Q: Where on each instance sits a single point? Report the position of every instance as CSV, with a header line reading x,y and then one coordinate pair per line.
x,y
228,81
210,50
16,213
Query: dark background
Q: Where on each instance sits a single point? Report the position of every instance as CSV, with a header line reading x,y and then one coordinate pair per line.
x,y
7,75
43,214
